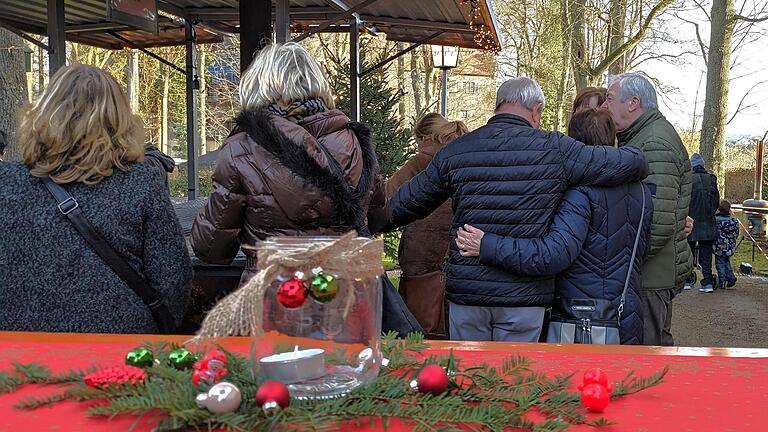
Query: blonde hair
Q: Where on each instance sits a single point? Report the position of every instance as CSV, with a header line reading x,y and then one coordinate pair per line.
x,y
80,128
437,129
286,73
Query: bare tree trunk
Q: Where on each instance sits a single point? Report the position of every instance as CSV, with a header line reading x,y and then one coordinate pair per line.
x,y
40,70
132,78
416,83
617,17
562,107
716,100
574,21
426,54
401,80
13,91
202,97
164,110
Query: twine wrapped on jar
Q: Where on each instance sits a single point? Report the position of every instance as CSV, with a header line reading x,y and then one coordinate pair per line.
x,y
241,312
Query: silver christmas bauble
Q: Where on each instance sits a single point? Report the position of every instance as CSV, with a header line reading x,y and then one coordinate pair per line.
x,y
223,397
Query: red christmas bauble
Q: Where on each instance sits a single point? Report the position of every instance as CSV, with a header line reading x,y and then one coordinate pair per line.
x,y
273,391
595,376
292,293
432,379
595,397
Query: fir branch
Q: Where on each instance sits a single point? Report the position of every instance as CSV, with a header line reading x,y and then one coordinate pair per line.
x,y
32,372
9,383
600,422
633,384
515,365
563,404
71,376
30,403
553,425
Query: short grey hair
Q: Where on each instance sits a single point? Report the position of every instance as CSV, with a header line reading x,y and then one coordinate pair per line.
x,y
522,90
634,84
284,72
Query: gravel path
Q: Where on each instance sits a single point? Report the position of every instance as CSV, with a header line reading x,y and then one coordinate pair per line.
x,y
736,317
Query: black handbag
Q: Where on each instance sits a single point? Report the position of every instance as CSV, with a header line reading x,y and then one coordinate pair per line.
x,y
588,320
70,208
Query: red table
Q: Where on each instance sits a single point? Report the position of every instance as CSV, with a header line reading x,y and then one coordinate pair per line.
x,y
707,389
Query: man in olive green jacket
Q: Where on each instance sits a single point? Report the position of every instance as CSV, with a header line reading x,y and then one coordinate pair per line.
x,y
632,102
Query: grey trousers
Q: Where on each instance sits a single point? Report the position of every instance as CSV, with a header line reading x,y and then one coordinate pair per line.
x,y
479,323
657,317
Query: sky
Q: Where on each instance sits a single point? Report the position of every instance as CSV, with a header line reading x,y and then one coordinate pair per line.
x,y
749,70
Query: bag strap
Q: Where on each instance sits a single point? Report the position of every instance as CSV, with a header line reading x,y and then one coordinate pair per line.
x,y
70,208
634,253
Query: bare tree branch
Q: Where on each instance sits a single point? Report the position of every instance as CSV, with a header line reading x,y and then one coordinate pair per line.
x,y
700,5
642,59
740,107
702,46
696,102
632,41
750,19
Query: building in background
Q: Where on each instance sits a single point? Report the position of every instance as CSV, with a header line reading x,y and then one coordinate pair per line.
x,y
472,88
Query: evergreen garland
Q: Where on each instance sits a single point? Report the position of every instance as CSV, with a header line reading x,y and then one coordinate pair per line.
x,y
482,398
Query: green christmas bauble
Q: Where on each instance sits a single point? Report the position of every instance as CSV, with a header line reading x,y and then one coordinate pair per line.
x,y
181,359
139,357
324,287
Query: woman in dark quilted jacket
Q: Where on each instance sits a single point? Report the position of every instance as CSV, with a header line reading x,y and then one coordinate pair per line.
x,y
590,241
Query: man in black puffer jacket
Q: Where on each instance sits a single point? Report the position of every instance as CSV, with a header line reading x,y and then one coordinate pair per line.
x,y
705,199
507,178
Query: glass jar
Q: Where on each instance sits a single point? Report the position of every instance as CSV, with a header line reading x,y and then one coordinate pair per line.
x,y
320,344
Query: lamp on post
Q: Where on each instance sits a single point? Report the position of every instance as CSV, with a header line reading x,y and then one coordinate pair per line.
x,y
444,58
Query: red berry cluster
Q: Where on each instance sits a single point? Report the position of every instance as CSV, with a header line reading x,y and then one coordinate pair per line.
x,y
116,375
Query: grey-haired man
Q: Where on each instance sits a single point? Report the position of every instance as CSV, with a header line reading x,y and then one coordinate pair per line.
x,y
633,105
506,178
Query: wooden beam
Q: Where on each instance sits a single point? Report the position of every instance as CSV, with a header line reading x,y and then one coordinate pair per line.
x,y
436,25
282,21
57,39
147,52
23,35
90,27
342,16
401,53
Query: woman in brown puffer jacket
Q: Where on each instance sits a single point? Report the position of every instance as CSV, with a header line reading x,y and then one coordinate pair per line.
x,y
424,244
292,166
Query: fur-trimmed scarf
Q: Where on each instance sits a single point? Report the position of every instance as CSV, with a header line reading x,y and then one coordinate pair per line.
x,y
349,203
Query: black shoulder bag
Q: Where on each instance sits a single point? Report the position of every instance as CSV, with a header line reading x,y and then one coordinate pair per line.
x,y
70,208
592,320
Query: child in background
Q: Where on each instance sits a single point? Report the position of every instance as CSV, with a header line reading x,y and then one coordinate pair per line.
x,y
727,233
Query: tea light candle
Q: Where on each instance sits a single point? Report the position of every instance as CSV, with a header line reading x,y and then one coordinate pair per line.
x,y
294,366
